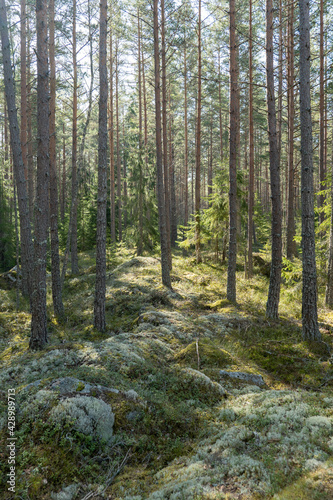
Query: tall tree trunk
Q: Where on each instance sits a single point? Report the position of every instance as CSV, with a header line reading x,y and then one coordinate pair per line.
x,y
111,142
220,108
25,229
144,109
63,190
185,139
120,231
140,187
38,301
25,289
30,159
272,306
173,208
198,152
321,198
232,254
165,135
24,87
74,256
291,245
159,165
329,285
99,304
251,156
310,328
55,261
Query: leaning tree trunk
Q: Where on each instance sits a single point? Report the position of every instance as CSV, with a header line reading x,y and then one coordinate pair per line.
x,y
38,302
309,295
25,229
232,255
99,304
272,306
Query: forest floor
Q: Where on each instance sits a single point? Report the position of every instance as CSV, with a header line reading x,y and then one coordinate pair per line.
x,y
152,409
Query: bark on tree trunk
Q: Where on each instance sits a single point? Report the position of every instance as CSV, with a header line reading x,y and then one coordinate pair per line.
x,y
120,231
272,305
251,156
185,139
25,229
140,187
38,337
159,166
55,260
99,304
329,286
321,197
291,245
310,328
74,256
232,253
198,152
165,136
111,141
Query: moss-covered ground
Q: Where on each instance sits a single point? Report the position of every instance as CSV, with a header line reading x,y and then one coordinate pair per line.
x,y
188,431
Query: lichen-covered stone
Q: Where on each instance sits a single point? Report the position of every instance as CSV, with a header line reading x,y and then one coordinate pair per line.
x,y
85,414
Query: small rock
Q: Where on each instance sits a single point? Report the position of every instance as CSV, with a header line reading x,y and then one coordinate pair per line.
x,y
244,377
67,493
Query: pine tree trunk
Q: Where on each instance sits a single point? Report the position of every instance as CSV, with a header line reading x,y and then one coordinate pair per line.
x,y
310,328
74,255
111,142
99,304
120,231
55,261
251,156
38,301
198,152
232,254
159,165
30,159
329,286
140,186
173,207
220,108
63,190
321,197
185,139
272,305
291,245
165,136
25,229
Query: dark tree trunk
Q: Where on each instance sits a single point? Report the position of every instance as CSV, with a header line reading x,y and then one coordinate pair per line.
x,y
55,261
232,254
38,303
99,304
272,306
159,165
25,229
309,296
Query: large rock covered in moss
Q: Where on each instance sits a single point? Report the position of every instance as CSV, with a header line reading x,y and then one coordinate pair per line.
x,y
85,414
